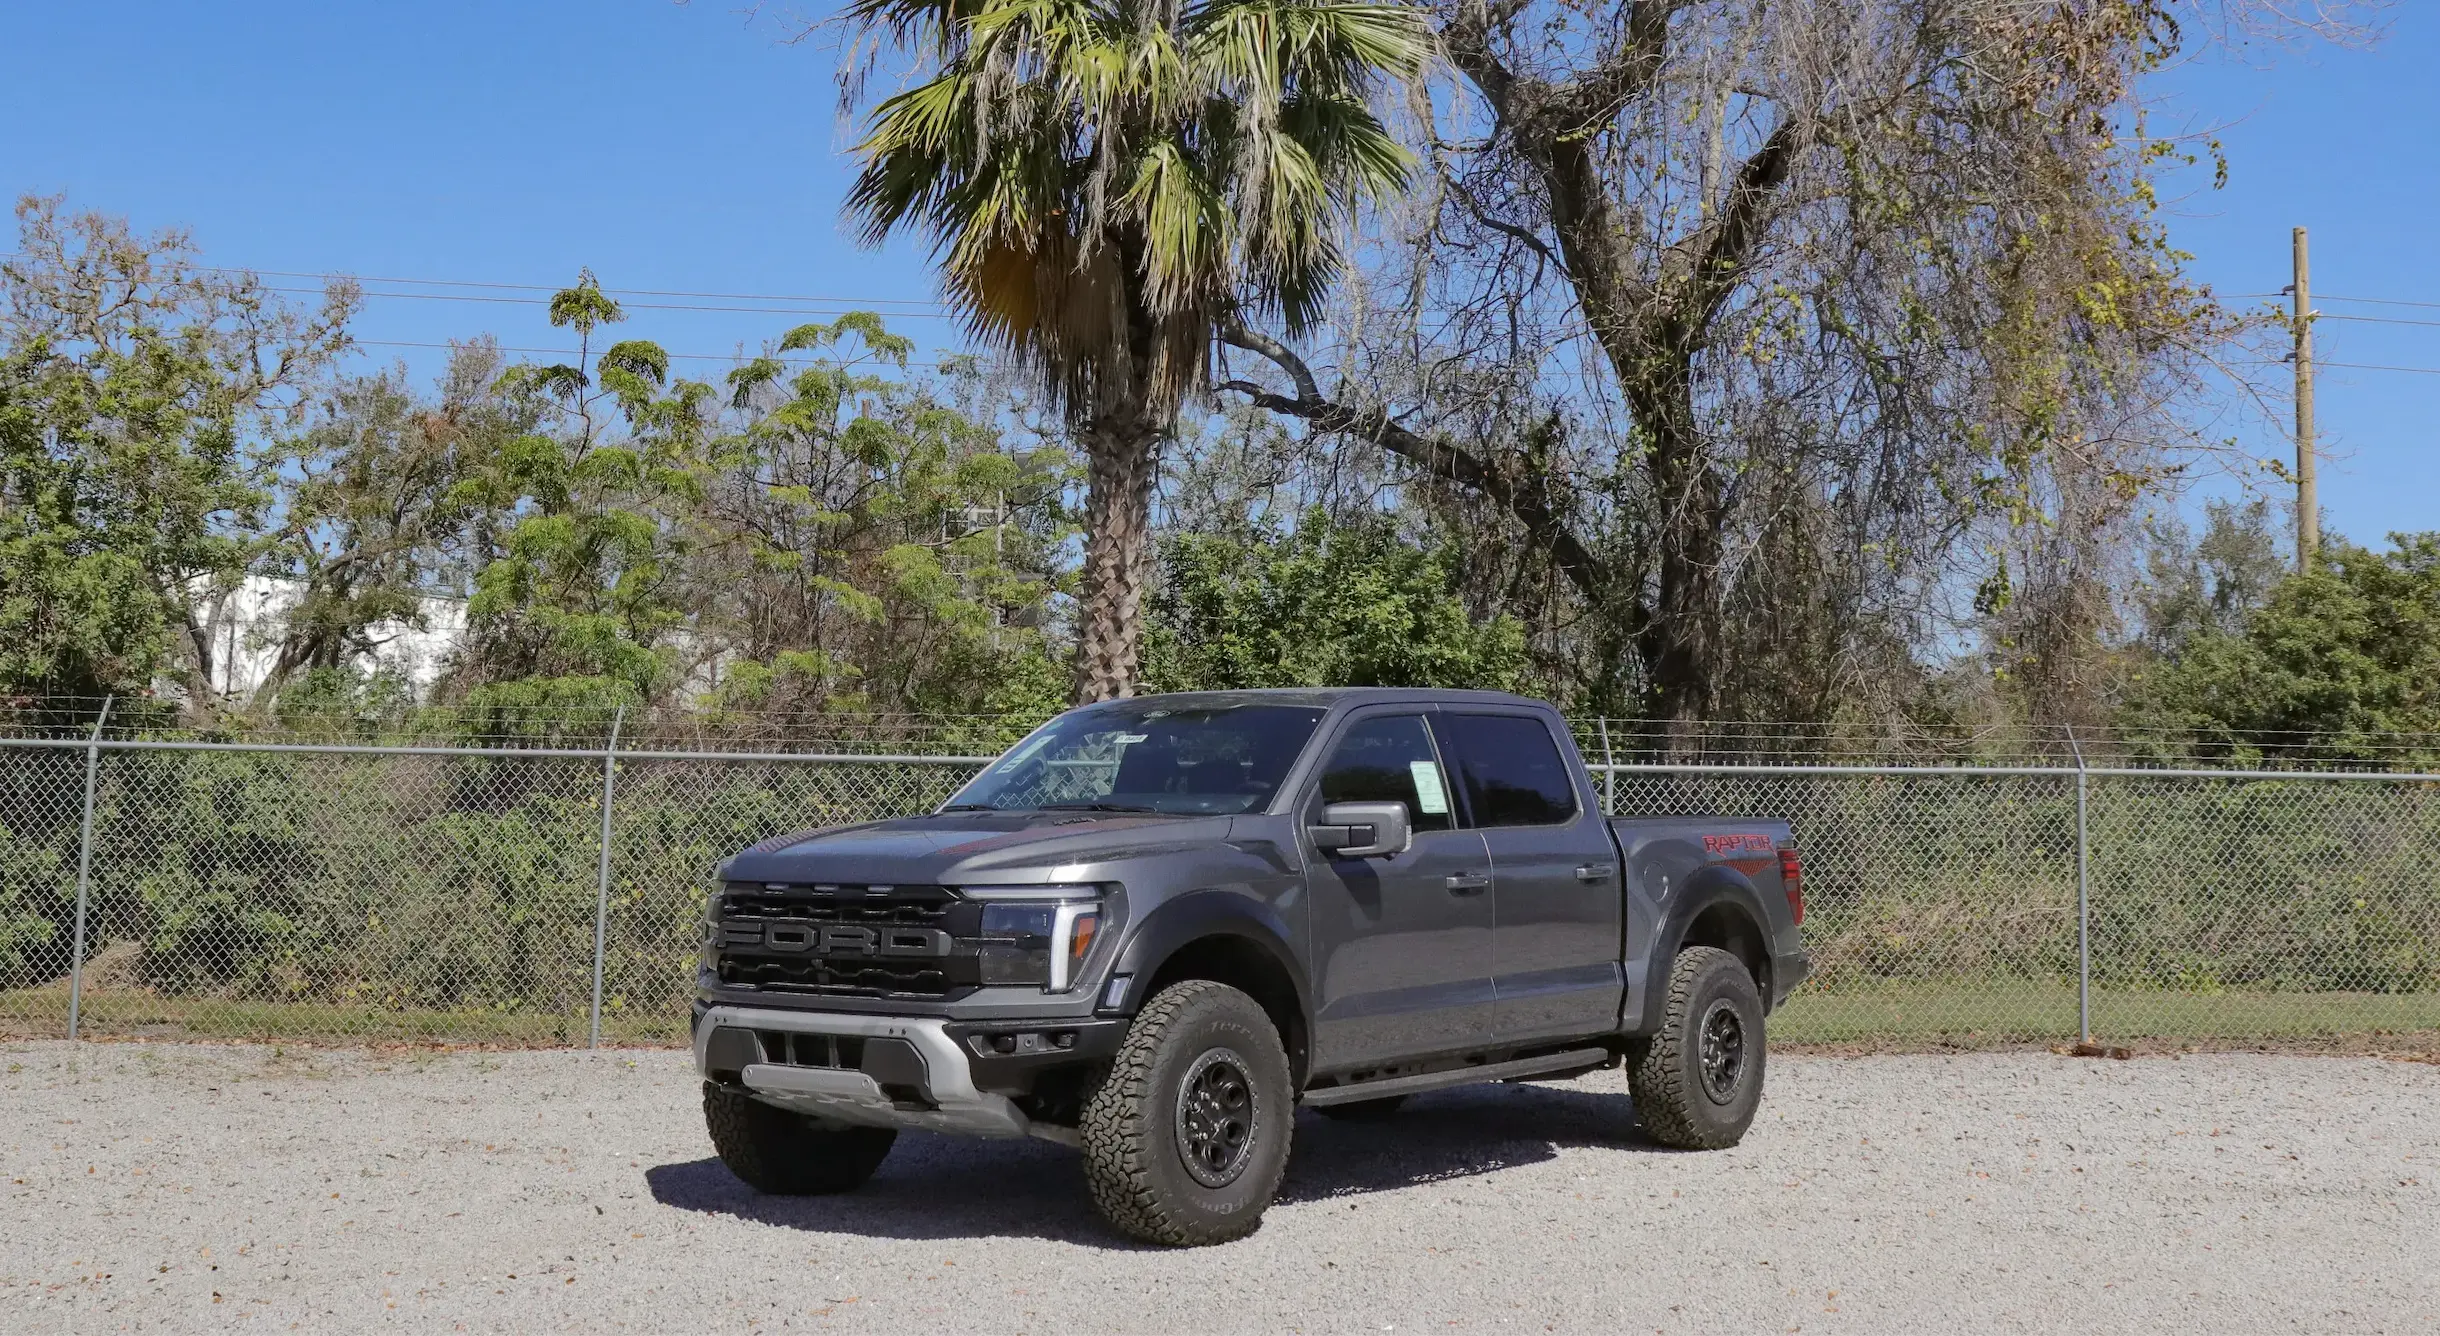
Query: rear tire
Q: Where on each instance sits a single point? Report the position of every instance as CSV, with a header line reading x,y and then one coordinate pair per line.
x,y
1698,1082
1186,1136
1364,1110
789,1154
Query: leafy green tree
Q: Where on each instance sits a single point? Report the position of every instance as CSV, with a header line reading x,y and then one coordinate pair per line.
x,y
375,518
35,877
816,539
2211,583
1109,186
1322,604
2342,664
865,546
144,412
580,581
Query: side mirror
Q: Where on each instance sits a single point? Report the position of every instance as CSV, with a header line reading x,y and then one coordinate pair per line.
x,y
1363,830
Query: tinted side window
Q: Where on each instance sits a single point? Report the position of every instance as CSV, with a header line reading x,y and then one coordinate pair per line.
x,y
1513,772
1389,760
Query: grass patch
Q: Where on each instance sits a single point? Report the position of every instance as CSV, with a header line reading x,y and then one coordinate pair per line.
x,y
42,1013
1948,1012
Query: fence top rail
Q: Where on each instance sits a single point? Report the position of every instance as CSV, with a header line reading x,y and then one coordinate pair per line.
x,y
558,753
2004,771
887,758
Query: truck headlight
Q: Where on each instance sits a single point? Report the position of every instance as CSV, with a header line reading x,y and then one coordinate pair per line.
x,y
1037,935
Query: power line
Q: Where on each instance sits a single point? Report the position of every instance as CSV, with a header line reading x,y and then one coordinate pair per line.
x,y
2376,319
855,302
2374,301
2371,366
638,306
827,300
616,292
571,352
835,306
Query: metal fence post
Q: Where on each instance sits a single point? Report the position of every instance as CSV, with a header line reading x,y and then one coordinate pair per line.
x,y
601,901
2084,900
1609,770
84,872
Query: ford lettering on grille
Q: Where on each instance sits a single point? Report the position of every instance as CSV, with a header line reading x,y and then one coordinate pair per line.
x,y
838,939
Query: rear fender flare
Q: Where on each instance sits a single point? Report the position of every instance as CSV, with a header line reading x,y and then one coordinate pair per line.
x,y
1706,890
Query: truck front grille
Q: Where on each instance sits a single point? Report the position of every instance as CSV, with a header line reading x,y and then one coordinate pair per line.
x,y
840,904
859,980
847,940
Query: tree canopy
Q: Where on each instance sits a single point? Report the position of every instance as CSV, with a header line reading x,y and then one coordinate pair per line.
x,y
1685,361
2338,665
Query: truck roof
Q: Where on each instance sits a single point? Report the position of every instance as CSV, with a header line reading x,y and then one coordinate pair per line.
x,y
1326,697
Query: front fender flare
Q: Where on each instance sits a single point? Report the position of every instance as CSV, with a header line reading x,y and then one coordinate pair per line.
x,y
1197,915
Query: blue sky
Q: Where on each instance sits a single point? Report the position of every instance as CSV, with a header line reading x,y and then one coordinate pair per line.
x,y
684,147
667,146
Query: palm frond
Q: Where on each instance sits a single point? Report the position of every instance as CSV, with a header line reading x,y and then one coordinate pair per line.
x,y
1106,180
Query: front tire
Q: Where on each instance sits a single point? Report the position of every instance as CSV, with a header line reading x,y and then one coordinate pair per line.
x,y
1186,1136
1698,1082
788,1154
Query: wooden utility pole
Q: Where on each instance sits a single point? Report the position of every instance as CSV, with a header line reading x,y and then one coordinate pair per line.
x,y
2308,500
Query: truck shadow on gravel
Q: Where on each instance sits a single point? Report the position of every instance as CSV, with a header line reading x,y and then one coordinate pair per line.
x,y
935,1187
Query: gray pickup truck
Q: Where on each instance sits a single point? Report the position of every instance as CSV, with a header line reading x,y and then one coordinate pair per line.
x,y
1156,927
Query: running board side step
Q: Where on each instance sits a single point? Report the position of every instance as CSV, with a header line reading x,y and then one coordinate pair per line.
x,y
1573,1060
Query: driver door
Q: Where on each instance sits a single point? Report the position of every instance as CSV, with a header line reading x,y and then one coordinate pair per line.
x,y
1402,946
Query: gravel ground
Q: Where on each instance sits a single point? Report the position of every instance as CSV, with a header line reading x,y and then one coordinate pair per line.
x,y
183,1187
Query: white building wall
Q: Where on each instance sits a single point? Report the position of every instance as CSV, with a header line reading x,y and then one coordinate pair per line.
x,y
249,620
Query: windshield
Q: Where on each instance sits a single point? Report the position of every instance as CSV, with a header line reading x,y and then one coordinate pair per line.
x,y
1140,756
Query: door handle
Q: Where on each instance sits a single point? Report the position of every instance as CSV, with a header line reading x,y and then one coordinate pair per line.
x,y
1469,883
1595,871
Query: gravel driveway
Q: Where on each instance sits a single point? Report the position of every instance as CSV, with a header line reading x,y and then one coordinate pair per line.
x,y
155,1187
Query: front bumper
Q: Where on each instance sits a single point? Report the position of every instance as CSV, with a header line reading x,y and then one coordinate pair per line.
x,y
919,1073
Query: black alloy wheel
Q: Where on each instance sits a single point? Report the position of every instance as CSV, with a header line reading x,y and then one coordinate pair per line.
x,y
1217,1112
1723,1051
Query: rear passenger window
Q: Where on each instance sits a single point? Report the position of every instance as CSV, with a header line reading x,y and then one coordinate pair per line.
x,y
1389,760
1512,770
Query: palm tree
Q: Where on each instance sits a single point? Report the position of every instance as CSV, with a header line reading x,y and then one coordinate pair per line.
x,y
1105,182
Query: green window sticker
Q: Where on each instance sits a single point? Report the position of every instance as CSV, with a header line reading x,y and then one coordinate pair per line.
x,y
1430,797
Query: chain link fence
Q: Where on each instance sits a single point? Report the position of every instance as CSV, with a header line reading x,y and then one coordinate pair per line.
x,y
552,896
1943,906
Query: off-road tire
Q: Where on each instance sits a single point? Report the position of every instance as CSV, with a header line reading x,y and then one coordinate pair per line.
x,y
1364,1110
1666,1072
1132,1121
789,1154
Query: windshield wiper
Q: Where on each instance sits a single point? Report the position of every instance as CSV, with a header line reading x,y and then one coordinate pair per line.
x,y
1096,807
965,807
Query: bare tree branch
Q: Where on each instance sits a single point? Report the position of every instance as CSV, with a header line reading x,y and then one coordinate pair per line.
x,y
1439,458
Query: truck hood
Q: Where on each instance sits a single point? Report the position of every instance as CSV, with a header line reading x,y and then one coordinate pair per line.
x,y
965,847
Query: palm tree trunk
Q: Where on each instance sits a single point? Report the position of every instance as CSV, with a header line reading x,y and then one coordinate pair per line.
x,y
1117,558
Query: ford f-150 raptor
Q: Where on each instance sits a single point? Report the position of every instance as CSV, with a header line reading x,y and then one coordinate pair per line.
x,y
1158,926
